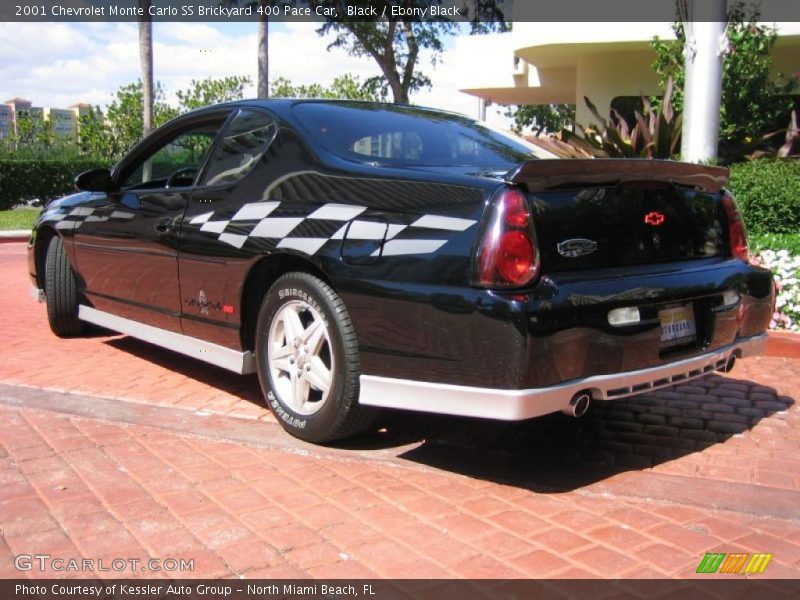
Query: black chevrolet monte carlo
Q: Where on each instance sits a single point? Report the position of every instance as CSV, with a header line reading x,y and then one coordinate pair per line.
x,y
360,255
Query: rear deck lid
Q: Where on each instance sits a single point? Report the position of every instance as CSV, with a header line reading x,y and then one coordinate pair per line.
x,y
602,213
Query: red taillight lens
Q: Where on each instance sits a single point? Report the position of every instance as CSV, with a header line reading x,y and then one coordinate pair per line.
x,y
736,230
515,260
515,209
506,255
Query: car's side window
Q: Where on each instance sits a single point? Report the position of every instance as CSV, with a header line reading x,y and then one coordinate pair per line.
x,y
174,164
246,141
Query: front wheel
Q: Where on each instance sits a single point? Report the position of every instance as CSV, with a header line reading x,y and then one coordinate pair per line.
x,y
308,363
61,291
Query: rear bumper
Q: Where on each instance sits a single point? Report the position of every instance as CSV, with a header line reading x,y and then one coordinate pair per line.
x,y
515,405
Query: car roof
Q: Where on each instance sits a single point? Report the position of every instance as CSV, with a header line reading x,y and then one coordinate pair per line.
x,y
281,106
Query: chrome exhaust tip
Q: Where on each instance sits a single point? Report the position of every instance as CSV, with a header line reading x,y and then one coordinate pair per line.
x,y
729,364
578,405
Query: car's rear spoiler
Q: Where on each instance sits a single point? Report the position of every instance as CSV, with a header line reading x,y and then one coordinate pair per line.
x,y
542,174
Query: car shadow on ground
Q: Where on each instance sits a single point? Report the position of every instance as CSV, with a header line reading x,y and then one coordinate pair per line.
x,y
245,387
558,453
555,453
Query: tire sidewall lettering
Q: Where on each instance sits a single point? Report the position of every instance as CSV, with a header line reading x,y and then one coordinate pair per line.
x,y
283,414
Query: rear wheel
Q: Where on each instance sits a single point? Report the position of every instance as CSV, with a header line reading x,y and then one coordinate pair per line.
x,y
308,362
61,291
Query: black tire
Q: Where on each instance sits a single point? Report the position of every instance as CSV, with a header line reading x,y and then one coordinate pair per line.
x,y
61,291
340,415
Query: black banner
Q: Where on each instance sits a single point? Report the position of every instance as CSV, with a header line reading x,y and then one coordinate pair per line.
x,y
475,11
490,589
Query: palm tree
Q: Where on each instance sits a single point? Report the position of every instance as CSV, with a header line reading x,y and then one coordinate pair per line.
x,y
262,87
146,59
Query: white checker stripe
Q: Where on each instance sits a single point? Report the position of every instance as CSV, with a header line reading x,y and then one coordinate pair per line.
x,y
438,222
337,212
280,228
214,226
81,211
394,230
339,235
233,239
307,245
121,214
199,219
254,210
366,230
276,227
398,247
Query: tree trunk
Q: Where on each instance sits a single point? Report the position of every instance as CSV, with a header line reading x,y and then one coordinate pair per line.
x,y
263,55
146,59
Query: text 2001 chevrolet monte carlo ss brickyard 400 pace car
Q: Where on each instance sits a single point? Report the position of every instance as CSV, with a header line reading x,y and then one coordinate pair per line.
x,y
362,255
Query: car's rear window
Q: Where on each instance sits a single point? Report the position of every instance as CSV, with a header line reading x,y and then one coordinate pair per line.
x,y
389,134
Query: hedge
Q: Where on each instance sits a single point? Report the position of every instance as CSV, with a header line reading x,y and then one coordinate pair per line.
x,y
768,194
26,179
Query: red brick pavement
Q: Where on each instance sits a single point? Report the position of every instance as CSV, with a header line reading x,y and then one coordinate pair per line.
x,y
130,369
642,487
79,487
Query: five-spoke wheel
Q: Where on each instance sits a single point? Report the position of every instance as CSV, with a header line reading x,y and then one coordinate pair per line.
x,y
307,356
300,358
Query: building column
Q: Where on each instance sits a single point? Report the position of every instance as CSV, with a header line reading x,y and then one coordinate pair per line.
x,y
704,55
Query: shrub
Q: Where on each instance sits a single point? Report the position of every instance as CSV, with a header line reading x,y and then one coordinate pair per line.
x,y
28,179
775,241
768,194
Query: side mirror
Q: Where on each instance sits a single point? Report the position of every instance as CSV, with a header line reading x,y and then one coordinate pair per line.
x,y
96,180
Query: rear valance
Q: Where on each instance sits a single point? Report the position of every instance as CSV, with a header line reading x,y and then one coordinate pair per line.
x,y
545,174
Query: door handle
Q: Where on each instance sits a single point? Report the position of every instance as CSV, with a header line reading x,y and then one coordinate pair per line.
x,y
163,225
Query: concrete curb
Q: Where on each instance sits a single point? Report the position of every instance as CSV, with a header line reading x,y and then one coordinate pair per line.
x,y
14,235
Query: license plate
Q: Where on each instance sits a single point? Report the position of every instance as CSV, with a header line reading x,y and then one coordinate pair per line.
x,y
677,326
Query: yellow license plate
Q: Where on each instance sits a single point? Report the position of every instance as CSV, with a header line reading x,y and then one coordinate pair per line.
x,y
677,325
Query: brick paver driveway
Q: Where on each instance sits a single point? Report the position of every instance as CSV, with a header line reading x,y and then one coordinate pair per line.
x,y
114,448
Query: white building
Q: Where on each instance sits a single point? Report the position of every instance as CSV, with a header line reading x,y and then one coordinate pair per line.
x,y
560,63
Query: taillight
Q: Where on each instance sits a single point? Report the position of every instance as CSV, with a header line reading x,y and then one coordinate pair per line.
x,y
506,254
736,230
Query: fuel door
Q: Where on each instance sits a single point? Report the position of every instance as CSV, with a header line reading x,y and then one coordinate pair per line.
x,y
363,240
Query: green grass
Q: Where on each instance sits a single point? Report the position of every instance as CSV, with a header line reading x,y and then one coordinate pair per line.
x,y
22,218
775,241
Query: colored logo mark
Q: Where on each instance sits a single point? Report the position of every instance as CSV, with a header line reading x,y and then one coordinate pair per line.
x,y
720,562
655,218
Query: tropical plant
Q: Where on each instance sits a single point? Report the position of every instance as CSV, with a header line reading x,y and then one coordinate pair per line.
x,y
754,102
656,134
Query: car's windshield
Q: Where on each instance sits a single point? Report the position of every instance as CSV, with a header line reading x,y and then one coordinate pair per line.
x,y
407,135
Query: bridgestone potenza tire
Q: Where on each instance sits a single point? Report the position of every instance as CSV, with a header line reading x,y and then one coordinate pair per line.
x,y
304,338
61,291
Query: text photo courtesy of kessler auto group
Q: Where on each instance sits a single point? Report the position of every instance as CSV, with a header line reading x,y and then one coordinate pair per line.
x,y
399,299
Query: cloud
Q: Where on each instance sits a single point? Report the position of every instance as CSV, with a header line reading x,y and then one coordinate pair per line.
x,y
59,64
